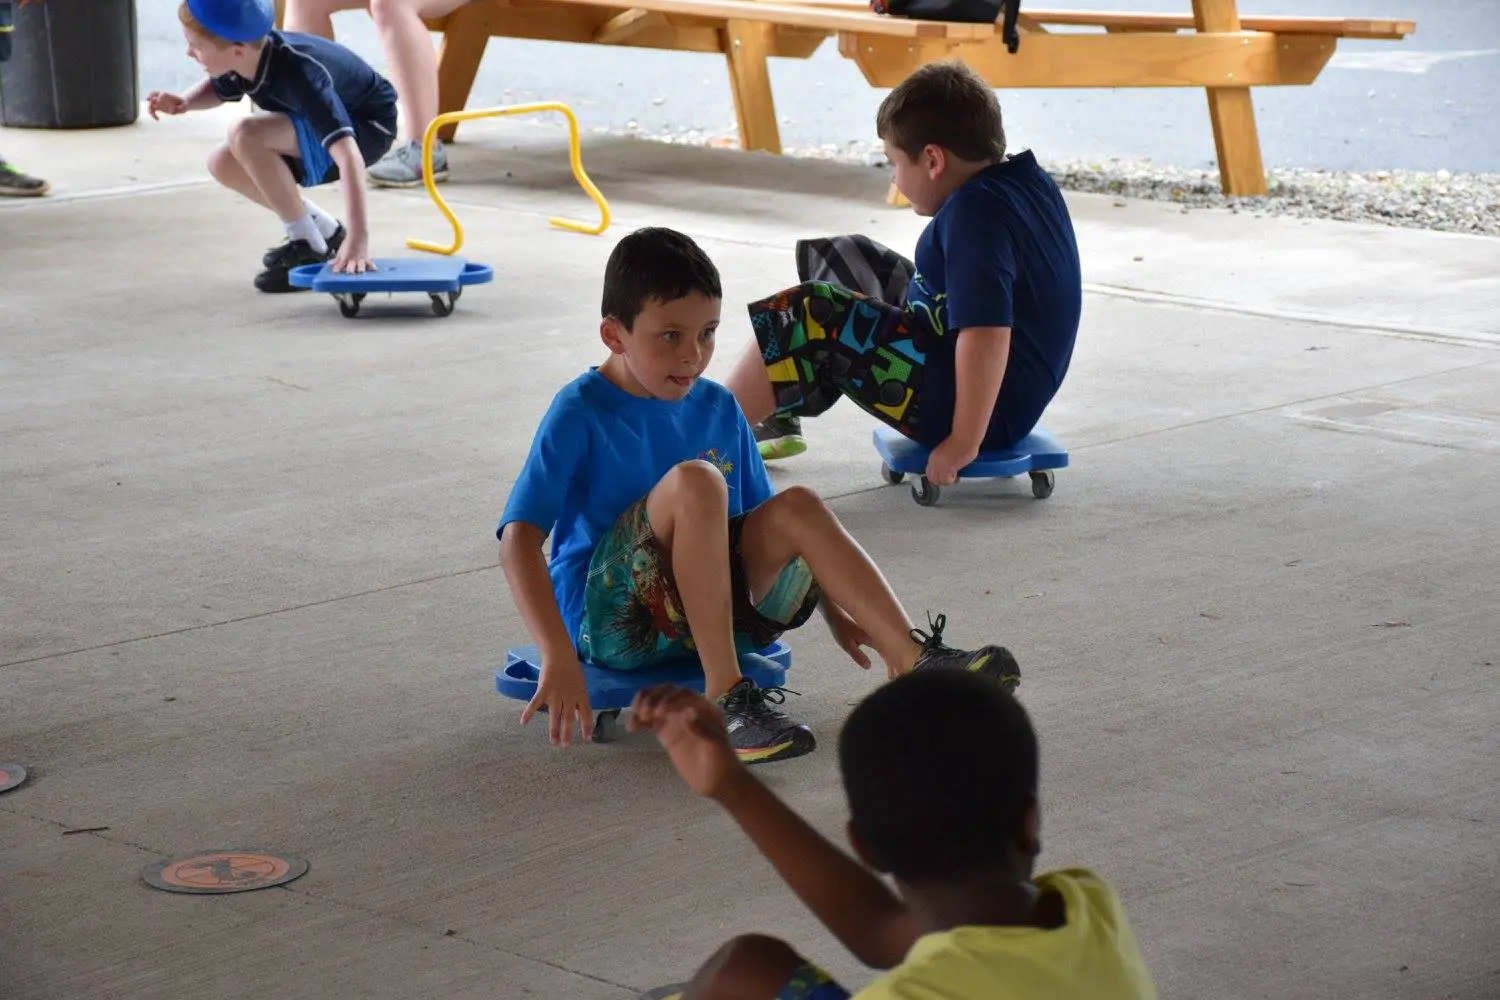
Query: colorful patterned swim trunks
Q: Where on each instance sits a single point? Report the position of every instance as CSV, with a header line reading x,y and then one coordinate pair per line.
x,y
632,612
821,341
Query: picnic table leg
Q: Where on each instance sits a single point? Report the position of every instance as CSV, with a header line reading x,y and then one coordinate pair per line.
x,y
746,44
1232,113
466,32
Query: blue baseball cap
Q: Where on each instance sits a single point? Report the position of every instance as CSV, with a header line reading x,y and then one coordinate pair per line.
x,y
235,20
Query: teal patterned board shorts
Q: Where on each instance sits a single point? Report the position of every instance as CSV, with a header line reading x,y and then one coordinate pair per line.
x,y
808,982
632,611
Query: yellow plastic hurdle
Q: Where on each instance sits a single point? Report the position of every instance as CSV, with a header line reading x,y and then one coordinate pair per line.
x,y
575,160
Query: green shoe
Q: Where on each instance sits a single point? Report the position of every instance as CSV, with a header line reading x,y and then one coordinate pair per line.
x,y
779,437
14,184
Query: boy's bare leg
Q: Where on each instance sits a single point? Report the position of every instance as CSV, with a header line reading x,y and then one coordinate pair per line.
x,y
751,385
796,522
259,143
228,172
689,514
752,967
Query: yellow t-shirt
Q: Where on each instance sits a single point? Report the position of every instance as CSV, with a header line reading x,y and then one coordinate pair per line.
x,y
1093,956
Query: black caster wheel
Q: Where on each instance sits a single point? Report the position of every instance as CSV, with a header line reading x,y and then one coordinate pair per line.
x,y
1042,484
925,492
894,478
349,304
607,726
443,305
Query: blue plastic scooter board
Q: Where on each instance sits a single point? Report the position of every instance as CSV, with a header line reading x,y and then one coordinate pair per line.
x,y
1037,454
442,278
613,690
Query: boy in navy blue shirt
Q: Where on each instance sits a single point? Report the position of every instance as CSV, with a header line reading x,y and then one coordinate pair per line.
x,y
326,116
981,343
665,534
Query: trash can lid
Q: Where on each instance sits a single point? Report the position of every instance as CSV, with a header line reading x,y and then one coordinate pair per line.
x,y
235,20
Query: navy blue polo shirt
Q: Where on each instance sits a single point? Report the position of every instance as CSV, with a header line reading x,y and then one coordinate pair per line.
x,y
319,81
999,252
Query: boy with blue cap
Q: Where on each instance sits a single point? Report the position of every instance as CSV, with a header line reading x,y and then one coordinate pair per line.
x,y
326,116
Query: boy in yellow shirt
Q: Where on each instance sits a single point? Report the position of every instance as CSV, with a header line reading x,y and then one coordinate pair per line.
x,y
940,771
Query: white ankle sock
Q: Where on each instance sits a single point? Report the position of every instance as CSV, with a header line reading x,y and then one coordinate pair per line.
x,y
327,224
306,228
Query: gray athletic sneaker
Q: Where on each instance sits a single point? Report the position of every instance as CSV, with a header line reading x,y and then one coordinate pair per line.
x,y
402,165
15,184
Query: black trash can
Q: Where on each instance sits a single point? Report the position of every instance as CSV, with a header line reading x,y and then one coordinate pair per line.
x,y
73,64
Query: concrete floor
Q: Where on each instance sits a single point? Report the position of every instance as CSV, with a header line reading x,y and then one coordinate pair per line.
x,y
250,596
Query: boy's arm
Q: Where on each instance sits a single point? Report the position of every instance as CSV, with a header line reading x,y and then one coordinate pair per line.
x,y
354,255
876,926
869,919
201,96
526,572
561,687
980,358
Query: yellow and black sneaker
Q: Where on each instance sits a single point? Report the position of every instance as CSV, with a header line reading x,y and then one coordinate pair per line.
x,y
758,730
15,184
991,661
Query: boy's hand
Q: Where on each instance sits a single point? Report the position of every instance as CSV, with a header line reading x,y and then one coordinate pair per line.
x,y
691,729
947,459
847,633
163,102
565,696
354,256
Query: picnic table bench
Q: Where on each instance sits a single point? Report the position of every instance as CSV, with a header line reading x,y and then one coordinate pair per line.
x,y
1213,47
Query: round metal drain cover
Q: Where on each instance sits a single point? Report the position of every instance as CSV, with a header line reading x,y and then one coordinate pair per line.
x,y
11,775
223,871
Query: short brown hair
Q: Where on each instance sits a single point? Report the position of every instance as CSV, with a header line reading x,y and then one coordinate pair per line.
x,y
185,15
943,104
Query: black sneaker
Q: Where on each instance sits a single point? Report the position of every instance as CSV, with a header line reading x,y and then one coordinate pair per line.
x,y
273,256
14,184
991,661
779,437
295,253
758,731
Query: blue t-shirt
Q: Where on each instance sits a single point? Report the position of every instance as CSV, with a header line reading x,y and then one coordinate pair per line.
x,y
319,81
999,252
599,449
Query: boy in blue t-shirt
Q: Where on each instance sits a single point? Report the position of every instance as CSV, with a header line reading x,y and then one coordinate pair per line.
x,y
327,116
980,344
665,534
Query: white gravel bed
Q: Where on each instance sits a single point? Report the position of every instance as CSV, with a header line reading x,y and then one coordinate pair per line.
x,y
1441,200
